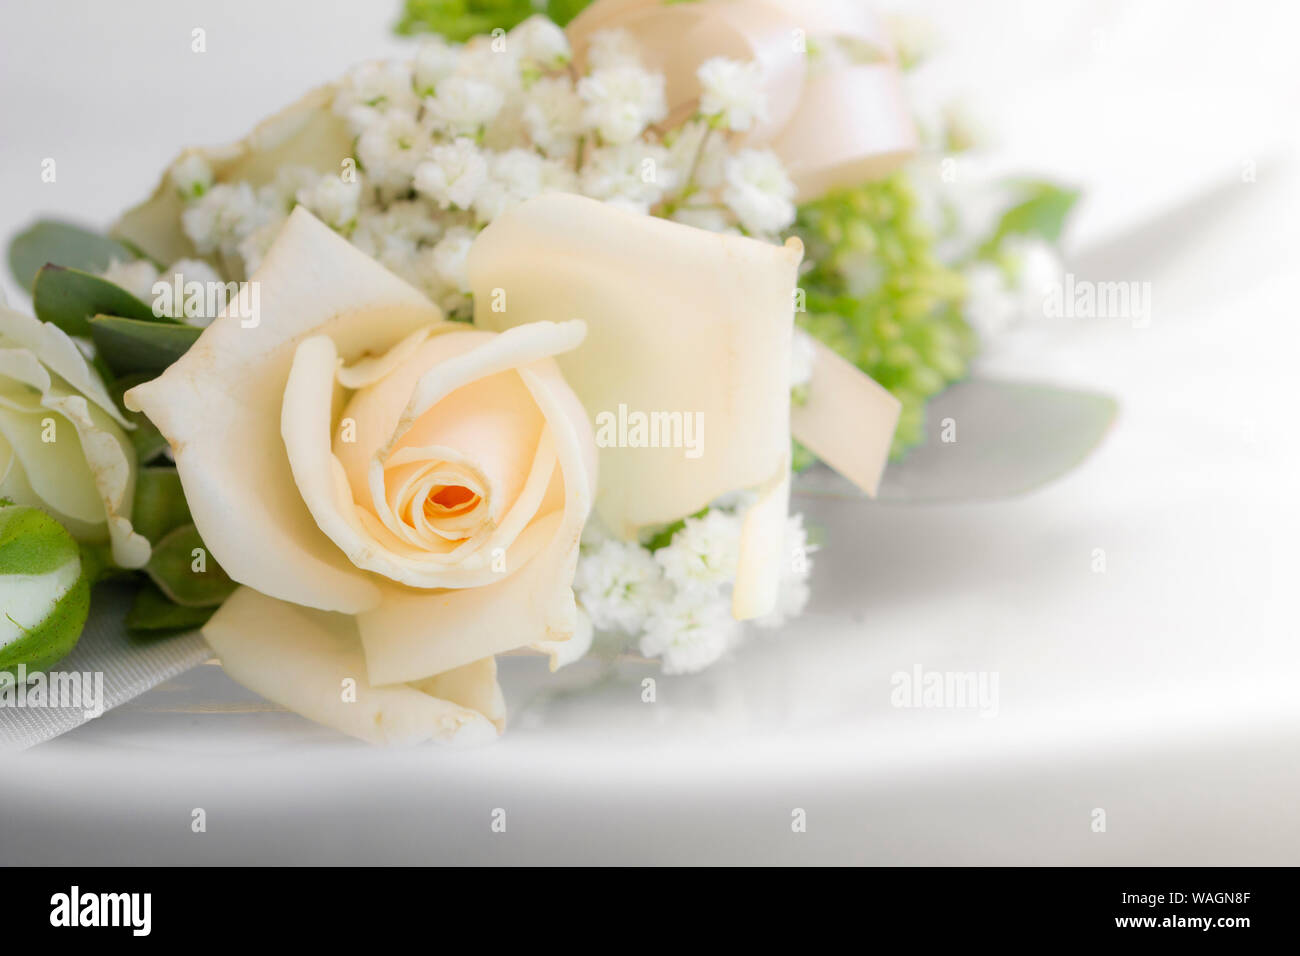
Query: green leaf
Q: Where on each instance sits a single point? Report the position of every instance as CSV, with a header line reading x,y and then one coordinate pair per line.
x,y
563,11
160,507
61,243
69,298
133,346
458,20
148,441
1004,439
152,615
1042,213
172,568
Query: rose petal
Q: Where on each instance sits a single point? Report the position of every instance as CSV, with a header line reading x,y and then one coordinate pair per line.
x,y
85,475
56,351
411,634
320,476
678,319
302,659
220,405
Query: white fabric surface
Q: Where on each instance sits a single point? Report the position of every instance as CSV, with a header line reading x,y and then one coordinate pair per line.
x,y
1162,691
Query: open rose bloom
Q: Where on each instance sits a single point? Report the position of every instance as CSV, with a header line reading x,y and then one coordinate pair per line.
x,y
402,497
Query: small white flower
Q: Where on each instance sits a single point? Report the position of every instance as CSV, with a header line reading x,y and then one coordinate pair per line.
x,y
223,217
453,174
192,270
464,105
991,305
447,258
486,59
759,192
553,115
332,200
192,176
390,150
732,93
699,153
403,224
622,101
435,60
378,86
618,583
792,591
252,248
182,272
516,175
802,354
634,175
540,42
690,632
280,195
612,48
704,553
136,277
1038,270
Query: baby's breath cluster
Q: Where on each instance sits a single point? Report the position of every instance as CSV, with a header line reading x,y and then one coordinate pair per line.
x,y
668,595
446,141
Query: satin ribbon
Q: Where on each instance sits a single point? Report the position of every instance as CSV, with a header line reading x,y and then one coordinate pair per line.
x,y
837,118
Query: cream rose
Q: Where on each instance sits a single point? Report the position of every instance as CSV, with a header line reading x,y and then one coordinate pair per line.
x,y
402,497
63,442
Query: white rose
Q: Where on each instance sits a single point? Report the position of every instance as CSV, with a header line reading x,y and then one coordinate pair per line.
x,y
401,496
63,444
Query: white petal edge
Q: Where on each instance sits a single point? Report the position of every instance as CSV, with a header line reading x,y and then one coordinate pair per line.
x,y
303,659
412,633
220,404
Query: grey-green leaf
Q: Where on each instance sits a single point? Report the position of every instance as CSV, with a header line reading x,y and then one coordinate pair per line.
x,y
62,243
1003,439
152,615
133,346
69,298
160,507
185,572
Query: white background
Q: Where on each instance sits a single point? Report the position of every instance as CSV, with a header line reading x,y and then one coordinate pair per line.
x,y
1163,691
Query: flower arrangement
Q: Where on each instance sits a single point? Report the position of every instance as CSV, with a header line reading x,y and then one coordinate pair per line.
x,y
498,347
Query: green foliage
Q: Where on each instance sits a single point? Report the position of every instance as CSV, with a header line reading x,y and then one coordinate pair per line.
x,y
159,507
175,568
1040,213
70,298
140,347
878,295
458,20
64,244
153,615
